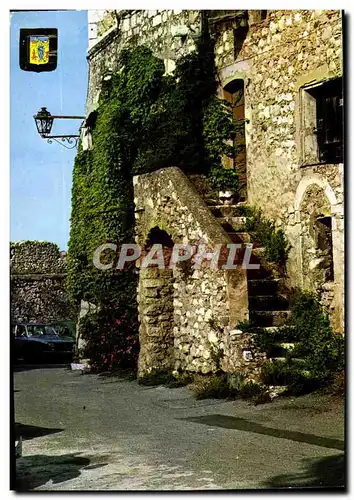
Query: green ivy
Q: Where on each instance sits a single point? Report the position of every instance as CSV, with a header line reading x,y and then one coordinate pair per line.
x,y
145,121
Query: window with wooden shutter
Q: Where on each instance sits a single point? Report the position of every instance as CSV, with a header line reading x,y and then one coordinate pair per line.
x,y
330,122
322,109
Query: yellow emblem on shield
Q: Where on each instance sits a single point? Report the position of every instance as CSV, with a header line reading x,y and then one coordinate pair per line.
x,y
39,50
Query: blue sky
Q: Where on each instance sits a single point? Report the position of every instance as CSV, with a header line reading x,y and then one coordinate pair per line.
x,y
41,173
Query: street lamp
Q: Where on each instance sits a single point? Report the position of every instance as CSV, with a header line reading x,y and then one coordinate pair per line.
x,y
44,123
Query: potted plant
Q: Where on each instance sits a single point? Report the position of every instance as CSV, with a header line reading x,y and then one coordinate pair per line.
x,y
226,181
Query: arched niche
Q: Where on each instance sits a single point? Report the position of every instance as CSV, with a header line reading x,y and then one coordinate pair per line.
x,y
155,300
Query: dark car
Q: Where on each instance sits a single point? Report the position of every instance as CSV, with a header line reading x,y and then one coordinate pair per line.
x,y
37,342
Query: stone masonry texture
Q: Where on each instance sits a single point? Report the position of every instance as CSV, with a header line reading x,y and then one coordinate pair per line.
x,y
184,312
277,54
38,289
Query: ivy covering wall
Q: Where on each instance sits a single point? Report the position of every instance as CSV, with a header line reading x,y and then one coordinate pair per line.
x,y
145,121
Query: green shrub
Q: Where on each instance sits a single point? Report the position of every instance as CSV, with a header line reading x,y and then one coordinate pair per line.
x,y
297,380
219,128
338,385
166,378
216,355
321,350
250,390
224,385
265,339
263,231
224,179
245,326
211,386
236,381
109,345
243,211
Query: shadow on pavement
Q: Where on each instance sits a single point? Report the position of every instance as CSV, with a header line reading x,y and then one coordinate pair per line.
x,y
36,470
327,472
242,424
32,431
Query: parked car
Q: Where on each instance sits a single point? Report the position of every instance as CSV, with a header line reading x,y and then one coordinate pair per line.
x,y
34,342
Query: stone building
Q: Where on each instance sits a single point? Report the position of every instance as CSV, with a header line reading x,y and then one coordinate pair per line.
x,y
38,288
284,70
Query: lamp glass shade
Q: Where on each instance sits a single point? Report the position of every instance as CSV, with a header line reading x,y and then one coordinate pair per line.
x,y
44,122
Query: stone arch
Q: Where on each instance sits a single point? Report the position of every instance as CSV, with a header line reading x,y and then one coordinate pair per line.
x,y
321,182
316,214
207,303
155,294
229,74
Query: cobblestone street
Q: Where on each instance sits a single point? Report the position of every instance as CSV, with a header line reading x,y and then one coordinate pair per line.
x,y
83,432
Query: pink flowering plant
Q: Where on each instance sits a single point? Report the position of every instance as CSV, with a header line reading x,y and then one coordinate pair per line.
x,y
108,345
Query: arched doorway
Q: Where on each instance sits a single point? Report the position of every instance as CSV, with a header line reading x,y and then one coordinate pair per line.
x,y
234,93
317,241
155,299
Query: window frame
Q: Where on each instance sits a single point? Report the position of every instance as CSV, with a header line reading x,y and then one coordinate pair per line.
x,y
312,97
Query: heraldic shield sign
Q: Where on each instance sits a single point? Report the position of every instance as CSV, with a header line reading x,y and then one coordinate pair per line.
x,y
38,49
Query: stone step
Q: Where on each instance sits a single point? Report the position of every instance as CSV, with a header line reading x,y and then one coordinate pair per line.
x,y
239,237
287,345
281,349
268,302
269,318
232,224
226,210
262,329
293,362
262,286
258,251
258,274
282,340
210,201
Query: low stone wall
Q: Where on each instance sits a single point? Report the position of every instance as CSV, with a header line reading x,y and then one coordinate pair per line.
x,y
38,283
241,355
183,311
36,257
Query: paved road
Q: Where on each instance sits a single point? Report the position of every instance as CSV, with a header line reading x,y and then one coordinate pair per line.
x,y
84,432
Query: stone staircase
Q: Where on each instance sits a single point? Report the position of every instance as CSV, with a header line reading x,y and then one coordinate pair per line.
x,y
268,304
268,307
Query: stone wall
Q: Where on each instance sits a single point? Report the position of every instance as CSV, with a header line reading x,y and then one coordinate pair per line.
x,y
183,311
275,55
36,257
168,33
278,57
38,288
